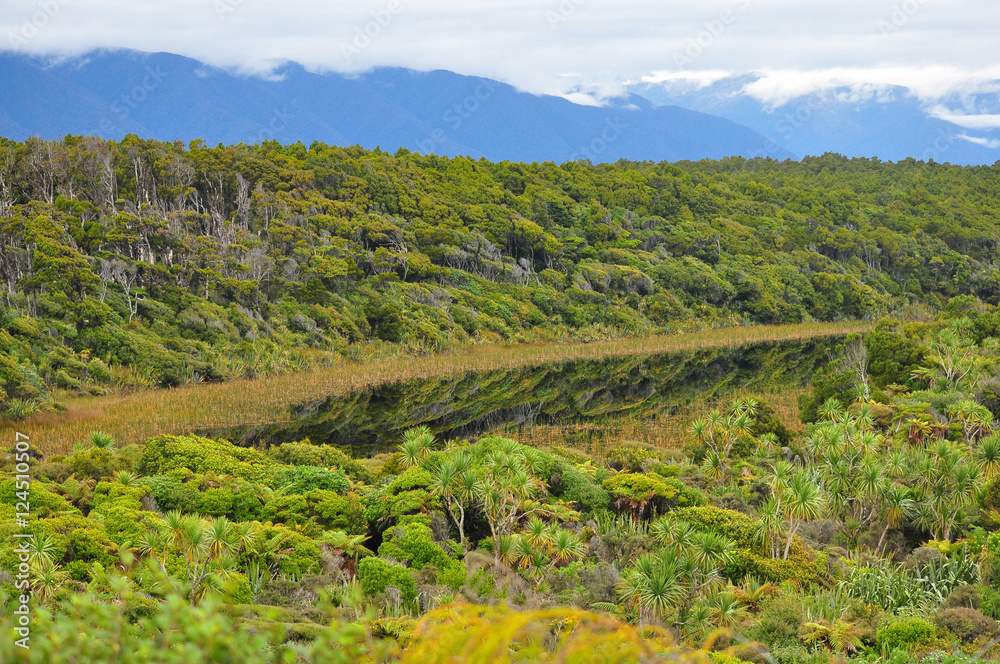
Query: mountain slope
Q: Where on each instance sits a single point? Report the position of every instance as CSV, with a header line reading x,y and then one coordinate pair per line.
x,y
890,123
169,97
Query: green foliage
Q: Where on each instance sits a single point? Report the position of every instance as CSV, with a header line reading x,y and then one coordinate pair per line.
x,y
166,453
413,544
904,634
582,490
303,479
337,246
639,493
376,574
306,454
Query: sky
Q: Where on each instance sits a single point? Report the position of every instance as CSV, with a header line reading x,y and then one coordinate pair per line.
x,y
582,49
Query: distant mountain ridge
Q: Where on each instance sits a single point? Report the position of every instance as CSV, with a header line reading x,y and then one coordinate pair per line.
x,y
168,97
889,123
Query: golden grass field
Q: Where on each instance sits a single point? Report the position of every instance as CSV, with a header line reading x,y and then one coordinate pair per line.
x,y
135,417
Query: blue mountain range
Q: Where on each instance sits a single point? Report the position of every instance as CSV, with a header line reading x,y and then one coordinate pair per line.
x,y
169,97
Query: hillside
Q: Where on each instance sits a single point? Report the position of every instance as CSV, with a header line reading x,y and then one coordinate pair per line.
x,y
141,263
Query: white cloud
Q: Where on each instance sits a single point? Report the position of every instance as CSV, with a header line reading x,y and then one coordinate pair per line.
x,y
700,78
992,143
801,47
778,87
967,121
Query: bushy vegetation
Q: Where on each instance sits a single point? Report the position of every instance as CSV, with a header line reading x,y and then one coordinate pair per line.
x,y
869,530
134,264
870,535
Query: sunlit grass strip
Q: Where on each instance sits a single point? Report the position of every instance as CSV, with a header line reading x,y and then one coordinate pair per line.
x,y
135,417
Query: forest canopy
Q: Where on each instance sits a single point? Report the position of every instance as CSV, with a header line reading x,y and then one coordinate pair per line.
x,y
144,263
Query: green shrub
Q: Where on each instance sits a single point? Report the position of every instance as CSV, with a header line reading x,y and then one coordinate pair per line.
x,y
202,455
778,625
376,574
95,463
582,490
413,543
303,479
904,634
966,596
170,493
305,453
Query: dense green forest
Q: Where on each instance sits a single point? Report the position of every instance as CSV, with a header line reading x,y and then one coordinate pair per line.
x,y
141,263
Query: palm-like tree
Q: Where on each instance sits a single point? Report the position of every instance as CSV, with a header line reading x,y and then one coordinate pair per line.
x,y
711,549
803,502
506,550
653,586
831,410
536,533
46,579
727,610
126,477
41,549
770,526
455,482
988,456
720,432
565,547
220,537
897,505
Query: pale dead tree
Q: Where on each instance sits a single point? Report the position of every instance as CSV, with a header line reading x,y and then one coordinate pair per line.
x,y
175,183
40,161
243,198
105,273
265,205
145,186
108,183
90,169
6,182
259,264
856,361
215,198
126,276
67,168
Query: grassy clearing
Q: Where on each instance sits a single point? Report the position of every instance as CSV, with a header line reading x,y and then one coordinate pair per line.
x,y
132,418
